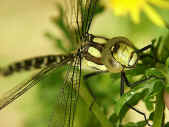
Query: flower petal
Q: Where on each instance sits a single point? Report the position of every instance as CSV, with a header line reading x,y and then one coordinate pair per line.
x,y
154,17
119,7
160,3
135,15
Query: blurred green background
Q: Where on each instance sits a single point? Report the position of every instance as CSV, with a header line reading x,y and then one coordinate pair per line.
x,y
22,27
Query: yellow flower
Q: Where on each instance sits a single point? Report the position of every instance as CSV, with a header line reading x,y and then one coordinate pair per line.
x,y
134,7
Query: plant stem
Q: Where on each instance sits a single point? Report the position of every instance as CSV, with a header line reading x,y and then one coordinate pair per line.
x,y
158,119
85,94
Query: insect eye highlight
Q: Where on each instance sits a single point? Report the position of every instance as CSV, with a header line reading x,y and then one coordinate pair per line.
x,y
133,59
115,48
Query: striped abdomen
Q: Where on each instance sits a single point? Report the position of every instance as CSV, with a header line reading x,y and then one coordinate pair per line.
x,y
35,62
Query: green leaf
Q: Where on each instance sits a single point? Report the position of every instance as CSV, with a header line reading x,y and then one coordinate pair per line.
x,y
149,103
155,87
158,86
154,72
144,90
99,9
163,48
167,88
125,98
58,42
138,124
133,101
140,69
167,124
167,62
60,22
115,120
159,111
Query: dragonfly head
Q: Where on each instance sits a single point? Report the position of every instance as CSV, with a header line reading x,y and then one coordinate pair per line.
x,y
119,53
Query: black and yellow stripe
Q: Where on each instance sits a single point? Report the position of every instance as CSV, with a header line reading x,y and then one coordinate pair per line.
x,y
33,63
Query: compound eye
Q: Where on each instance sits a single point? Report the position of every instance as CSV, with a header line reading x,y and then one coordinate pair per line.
x,y
124,54
133,59
115,48
117,54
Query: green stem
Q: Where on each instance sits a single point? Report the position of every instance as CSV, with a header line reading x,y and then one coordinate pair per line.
x,y
164,70
159,111
84,93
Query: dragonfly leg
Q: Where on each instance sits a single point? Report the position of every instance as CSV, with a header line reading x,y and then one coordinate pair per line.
x,y
123,81
140,51
132,85
87,76
144,48
100,37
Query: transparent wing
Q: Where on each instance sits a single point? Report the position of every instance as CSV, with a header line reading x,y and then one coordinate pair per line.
x,y
79,15
20,89
68,97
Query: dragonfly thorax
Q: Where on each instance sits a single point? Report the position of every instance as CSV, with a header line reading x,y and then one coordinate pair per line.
x,y
118,53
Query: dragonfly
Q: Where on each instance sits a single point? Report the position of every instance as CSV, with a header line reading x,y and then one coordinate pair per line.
x,y
116,54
